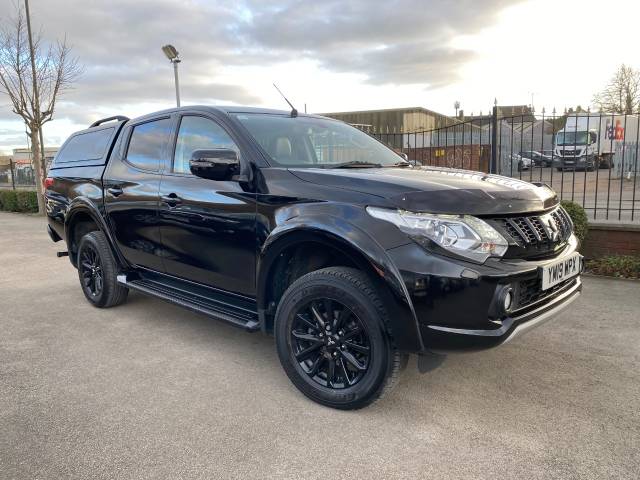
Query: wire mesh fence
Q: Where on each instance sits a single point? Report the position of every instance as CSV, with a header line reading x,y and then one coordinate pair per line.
x,y
589,158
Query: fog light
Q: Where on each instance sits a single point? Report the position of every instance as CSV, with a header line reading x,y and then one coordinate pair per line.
x,y
508,300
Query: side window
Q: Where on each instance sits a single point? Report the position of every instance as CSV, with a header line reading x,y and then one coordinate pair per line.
x,y
197,133
85,146
148,144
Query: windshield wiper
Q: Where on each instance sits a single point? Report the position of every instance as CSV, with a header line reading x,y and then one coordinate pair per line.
x,y
355,164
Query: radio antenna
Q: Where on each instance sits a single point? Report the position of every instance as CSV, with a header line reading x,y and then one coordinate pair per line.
x,y
294,112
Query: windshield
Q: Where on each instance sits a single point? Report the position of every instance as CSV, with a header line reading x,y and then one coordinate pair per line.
x,y
572,138
314,142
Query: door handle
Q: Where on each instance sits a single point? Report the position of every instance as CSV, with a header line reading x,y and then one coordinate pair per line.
x,y
115,191
172,199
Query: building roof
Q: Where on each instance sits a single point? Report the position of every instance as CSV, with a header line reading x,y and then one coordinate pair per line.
x,y
385,110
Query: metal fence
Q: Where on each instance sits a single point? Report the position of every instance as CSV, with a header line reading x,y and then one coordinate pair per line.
x,y
19,176
589,158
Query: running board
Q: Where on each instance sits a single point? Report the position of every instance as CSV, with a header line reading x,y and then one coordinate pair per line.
x,y
237,317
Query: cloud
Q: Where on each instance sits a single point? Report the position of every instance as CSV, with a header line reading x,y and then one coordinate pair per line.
x,y
11,141
118,43
393,42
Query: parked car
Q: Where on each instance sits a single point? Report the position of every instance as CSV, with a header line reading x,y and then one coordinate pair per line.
x,y
548,156
308,229
538,158
519,162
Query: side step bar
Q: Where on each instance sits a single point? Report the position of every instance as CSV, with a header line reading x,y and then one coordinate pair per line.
x,y
196,303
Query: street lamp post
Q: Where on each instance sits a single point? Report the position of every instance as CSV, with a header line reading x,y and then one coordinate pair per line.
x,y
172,54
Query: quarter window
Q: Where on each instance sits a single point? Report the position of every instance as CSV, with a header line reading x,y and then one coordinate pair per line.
x,y
85,146
149,143
198,133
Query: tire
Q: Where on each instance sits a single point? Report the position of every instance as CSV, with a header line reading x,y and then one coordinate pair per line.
x,y
559,169
359,375
97,271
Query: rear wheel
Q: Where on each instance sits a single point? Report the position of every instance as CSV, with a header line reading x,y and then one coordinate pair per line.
x,y
332,341
97,270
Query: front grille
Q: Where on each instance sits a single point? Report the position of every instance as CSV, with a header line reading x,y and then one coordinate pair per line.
x,y
535,235
530,291
569,153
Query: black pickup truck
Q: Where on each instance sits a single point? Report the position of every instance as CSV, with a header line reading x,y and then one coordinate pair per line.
x,y
311,230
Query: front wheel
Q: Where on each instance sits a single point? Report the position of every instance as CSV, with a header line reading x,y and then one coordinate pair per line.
x,y
332,339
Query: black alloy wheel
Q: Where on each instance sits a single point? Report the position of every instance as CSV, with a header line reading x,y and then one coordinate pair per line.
x,y
330,343
97,271
90,268
333,341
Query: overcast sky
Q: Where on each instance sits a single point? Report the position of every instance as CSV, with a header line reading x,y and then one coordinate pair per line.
x,y
333,55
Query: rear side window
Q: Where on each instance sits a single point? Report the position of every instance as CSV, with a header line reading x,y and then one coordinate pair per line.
x,y
85,146
148,144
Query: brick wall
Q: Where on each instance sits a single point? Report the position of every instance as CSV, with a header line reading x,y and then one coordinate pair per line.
x,y
468,157
609,239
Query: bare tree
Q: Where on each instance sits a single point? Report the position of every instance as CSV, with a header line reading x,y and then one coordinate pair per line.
x,y
33,74
622,95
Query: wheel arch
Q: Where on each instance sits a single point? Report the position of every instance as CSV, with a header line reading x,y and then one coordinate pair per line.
x,y
347,246
84,217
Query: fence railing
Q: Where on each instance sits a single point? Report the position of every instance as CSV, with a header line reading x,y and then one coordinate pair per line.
x,y
17,176
589,158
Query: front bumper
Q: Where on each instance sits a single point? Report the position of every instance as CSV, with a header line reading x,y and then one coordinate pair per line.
x,y
455,301
443,338
573,162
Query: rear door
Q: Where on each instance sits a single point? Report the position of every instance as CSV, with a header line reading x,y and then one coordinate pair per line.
x,y
207,226
131,185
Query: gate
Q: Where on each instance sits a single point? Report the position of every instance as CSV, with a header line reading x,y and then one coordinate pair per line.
x,y
589,158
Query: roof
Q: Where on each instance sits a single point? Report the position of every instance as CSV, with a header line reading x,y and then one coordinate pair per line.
x,y
383,110
225,109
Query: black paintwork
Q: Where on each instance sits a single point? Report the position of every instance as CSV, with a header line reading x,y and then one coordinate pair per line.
x,y
214,245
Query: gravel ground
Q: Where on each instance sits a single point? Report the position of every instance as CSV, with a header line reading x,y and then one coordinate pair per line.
x,y
148,390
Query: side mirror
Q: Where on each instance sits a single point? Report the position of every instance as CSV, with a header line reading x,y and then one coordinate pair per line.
x,y
216,164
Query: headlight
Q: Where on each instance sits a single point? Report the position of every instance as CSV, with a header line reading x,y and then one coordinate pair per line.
x,y
463,235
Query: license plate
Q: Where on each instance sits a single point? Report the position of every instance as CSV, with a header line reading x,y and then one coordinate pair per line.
x,y
556,272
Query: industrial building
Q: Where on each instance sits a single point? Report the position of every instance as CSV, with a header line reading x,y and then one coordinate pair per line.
x,y
405,120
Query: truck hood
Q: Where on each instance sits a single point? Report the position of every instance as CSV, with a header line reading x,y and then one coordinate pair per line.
x,y
438,190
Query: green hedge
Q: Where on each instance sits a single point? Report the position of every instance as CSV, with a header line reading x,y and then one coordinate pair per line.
x,y
626,266
579,218
18,201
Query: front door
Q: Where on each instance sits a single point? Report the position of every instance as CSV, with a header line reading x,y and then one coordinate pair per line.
x,y
132,184
207,227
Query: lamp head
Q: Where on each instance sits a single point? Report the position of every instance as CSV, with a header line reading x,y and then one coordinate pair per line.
x,y
170,52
